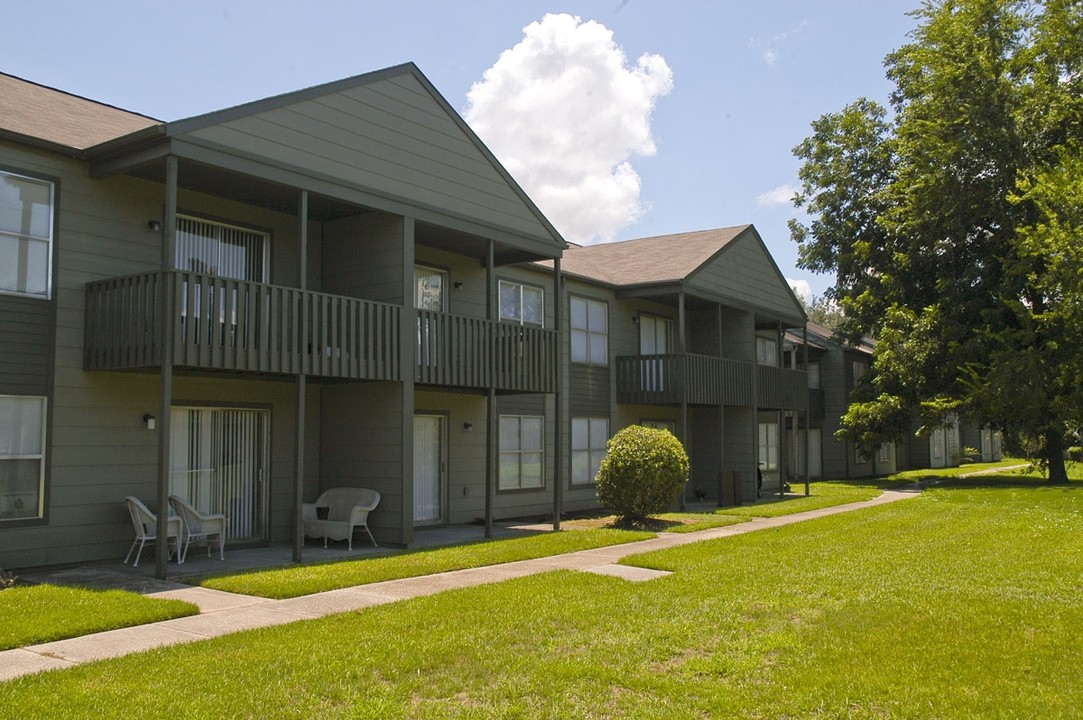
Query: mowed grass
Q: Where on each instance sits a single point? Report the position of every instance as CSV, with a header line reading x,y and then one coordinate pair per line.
x,y
42,613
963,602
307,579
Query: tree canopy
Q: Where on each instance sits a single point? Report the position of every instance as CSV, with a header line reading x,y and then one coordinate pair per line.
x,y
951,221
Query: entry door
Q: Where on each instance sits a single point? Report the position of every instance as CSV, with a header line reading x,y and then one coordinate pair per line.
x,y
938,448
428,469
654,337
815,459
220,460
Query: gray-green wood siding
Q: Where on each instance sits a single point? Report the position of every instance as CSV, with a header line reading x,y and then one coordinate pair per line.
x,y
26,345
745,272
390,136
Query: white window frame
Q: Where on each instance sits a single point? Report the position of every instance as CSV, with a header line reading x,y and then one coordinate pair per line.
x,y
768,446
588,336
593,453
513,450
516,316
767,351
21,237
12,499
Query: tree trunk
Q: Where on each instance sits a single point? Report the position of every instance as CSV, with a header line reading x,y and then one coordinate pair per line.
x,y
1054,457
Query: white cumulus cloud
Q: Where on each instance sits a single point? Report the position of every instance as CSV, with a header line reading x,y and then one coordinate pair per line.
x,y
801,288
565,112
782,195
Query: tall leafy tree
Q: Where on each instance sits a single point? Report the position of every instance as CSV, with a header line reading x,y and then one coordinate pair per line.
x,y
946,221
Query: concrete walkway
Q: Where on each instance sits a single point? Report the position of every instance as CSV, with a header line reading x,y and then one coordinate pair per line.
x,y
222,613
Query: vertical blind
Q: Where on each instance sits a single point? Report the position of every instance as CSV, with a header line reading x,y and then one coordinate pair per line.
x,y
217,249
220,461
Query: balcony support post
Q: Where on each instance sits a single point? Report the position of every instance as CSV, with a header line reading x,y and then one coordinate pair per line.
x,y
558,421
683,386
808,404
783,451
165,385
491,420
407,373
299,411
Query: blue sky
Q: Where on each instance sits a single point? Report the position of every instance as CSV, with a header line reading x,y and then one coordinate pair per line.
x,y
745,80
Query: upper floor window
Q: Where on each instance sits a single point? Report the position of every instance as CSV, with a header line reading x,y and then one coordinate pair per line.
x,y
26,235
523,304
589,331
814,375
22,456
430,288
767,351
860,367
213,248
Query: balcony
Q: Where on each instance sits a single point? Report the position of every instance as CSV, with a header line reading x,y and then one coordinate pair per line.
x,y
458,351
235,325
781,388
671,379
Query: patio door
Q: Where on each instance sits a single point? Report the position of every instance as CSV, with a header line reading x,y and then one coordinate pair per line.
x,y
654,339
220,463
429,466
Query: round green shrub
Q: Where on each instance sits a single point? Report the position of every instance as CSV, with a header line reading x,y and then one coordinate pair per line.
x,y
643,472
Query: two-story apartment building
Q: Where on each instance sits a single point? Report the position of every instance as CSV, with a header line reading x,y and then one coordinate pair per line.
x,y
341,286
835,368
246,306
684,332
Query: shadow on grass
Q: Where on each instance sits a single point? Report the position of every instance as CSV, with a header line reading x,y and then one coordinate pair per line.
x,y
1006,481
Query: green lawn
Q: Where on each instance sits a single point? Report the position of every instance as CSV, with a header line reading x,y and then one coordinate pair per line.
x,y
964,602
43,613
294,581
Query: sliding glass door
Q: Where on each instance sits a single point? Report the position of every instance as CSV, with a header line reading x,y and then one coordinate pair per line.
x,y
221,463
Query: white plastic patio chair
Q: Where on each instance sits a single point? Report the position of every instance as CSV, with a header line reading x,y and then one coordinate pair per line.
x,y
200,526
145,524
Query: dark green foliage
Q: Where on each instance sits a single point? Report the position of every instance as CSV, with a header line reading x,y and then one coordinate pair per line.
x,y
952,223
643,472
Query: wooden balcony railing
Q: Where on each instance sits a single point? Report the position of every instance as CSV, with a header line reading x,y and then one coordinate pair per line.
x,y
781,388
235,325
696,379
458,351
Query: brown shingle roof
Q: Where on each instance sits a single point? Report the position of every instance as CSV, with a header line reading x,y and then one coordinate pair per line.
x,y
659,259
52,116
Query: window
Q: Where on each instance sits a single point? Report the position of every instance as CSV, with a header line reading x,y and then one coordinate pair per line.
x,y
814,375
860,367
589,436
768,446
521,458
523,304
660,425
430,288
883,454
589,326
22,456
211,248
26,235
766,351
